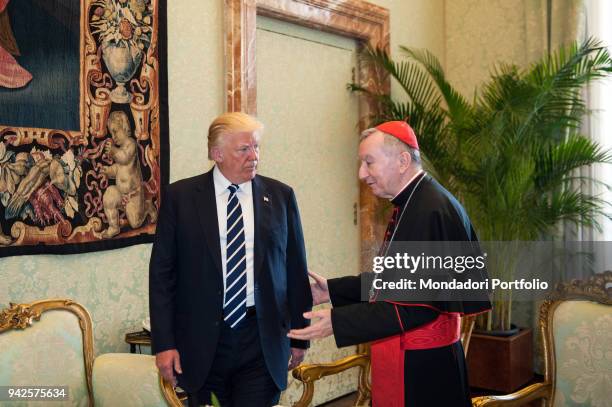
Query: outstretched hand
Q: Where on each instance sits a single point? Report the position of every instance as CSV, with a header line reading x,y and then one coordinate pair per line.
x,y
319,289
320,327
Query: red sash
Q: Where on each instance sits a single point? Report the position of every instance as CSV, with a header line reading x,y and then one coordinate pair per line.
x,y
387,356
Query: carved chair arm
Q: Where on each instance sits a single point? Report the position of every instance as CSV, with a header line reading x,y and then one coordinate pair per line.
x,y
169,393
310,373
532,392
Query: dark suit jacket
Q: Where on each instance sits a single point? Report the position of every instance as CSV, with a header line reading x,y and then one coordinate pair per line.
x,y
186,278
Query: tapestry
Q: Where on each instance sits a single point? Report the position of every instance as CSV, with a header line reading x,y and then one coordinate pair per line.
x,y
83,124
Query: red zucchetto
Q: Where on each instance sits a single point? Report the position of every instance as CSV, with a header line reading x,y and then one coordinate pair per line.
x,y
400,130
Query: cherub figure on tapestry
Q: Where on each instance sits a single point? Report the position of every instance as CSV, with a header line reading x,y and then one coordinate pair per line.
x,y
127,194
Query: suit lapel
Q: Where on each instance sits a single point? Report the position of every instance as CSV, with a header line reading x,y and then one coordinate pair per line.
x,y
261,208
207,211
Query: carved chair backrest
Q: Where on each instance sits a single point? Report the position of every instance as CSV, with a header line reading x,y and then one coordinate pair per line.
x,y
575,325
56,350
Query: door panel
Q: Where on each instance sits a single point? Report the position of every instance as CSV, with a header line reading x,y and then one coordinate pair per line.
x,y
310,142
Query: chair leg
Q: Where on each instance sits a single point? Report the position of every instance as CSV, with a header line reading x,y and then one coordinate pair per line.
x,y
307,395
363,390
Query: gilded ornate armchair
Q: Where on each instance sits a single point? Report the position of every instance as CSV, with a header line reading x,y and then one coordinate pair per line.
x,y
576,327
55,351
310,373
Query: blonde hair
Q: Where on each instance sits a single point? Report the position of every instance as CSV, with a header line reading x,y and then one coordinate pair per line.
x,y
233,122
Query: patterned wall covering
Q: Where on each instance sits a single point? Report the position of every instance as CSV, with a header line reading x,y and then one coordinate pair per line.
x,y
480,33
112,287
474,28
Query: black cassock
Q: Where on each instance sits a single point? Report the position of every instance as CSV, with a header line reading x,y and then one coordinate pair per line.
x,y
432,377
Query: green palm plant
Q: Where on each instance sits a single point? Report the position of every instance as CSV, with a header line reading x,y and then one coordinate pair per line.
x,y
512,153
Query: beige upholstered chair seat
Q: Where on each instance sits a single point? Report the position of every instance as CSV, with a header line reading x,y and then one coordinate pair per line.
x,y
124,379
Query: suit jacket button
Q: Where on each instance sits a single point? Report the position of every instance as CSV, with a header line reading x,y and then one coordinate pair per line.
x,y
217,323
220,292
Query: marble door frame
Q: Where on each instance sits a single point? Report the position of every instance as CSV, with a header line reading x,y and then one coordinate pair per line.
x,y
363,21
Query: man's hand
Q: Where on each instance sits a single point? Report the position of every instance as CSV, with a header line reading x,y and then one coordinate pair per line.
x,y
297,357
320,292
169,362
320,328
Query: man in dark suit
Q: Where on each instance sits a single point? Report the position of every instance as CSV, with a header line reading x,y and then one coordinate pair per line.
x,y
228,276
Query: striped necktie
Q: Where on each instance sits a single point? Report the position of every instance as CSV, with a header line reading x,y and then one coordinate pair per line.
x,y
234,308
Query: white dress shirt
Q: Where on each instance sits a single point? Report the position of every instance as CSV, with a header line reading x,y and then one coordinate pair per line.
x,y
245,196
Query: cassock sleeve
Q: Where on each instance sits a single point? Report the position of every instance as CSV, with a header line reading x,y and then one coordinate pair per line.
x,y
365,322
344,290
